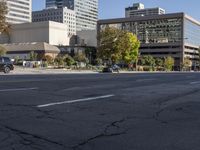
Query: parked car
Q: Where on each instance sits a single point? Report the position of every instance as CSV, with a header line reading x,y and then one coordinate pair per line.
x,y
6,64
111,69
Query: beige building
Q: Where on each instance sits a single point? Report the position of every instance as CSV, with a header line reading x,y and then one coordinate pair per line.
x,y
23,50
53,33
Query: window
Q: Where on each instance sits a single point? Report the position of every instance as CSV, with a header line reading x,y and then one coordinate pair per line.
x,y
6,60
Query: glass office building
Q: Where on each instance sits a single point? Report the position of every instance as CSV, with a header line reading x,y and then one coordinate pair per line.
x,y
86,11
177,35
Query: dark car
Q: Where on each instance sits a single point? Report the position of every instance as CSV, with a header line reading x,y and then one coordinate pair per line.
x,y
6,64
111,69
107,70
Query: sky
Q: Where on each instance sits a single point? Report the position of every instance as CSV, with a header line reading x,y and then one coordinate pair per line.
x,y
115,8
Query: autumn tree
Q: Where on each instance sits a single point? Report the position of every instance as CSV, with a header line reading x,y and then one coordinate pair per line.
x,y
108,49
131,53
3,12
169,63
118,45
187,64
2,51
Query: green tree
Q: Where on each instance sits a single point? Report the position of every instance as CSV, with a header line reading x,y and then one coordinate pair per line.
x,y
148,60
98,61
33,56
116,45
131,53
159,62
3,12
110,44
169,63
69,60
187,64
2,51
59,60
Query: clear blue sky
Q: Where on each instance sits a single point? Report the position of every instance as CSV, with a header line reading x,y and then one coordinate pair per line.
x,y
115,8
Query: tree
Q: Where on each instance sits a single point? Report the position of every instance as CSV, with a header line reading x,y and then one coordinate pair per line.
x,y
98,62
148,60
110,44
169,63
59,61
69,60
2,51
187,63
48,59
116,45
131,53
33,56
80,57
159,62
3,12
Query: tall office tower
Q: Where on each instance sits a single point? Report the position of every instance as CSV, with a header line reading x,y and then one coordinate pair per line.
x,y
62,15
86,11
19,11
138,10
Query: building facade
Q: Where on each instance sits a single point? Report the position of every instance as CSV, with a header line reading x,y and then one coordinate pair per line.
x,y
62,15
50,32
19,11
23,50
86,11
176,35
138,9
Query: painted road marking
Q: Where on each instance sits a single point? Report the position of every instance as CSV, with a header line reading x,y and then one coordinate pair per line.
x,y
76,101
196,82
19,89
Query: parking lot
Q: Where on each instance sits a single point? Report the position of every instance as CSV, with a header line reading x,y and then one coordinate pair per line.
x,y
154,111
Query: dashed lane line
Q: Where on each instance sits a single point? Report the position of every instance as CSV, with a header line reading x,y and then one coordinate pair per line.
x,y
19,89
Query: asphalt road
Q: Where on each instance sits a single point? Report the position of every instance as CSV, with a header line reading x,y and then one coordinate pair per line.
x,y
100,112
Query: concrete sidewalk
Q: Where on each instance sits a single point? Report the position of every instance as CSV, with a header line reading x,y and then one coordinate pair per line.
x,y
32,71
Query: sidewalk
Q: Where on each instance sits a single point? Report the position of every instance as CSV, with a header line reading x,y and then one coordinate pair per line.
x,y
34,71
38,71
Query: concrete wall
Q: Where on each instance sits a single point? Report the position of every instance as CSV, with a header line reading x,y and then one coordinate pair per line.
x,y
50,32
58,34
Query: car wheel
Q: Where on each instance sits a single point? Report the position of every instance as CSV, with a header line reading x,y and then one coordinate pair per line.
x,y
6,70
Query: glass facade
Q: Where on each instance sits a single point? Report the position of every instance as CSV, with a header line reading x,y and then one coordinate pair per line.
x,y
192,33
153,31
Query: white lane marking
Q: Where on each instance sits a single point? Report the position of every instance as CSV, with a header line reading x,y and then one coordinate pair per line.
x,y
19,89
196,82
76,101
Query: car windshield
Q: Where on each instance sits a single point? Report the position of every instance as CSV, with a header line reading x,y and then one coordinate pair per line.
x,y
6,60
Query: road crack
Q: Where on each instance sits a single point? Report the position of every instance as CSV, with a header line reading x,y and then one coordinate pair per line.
x,y
105,133
29,139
